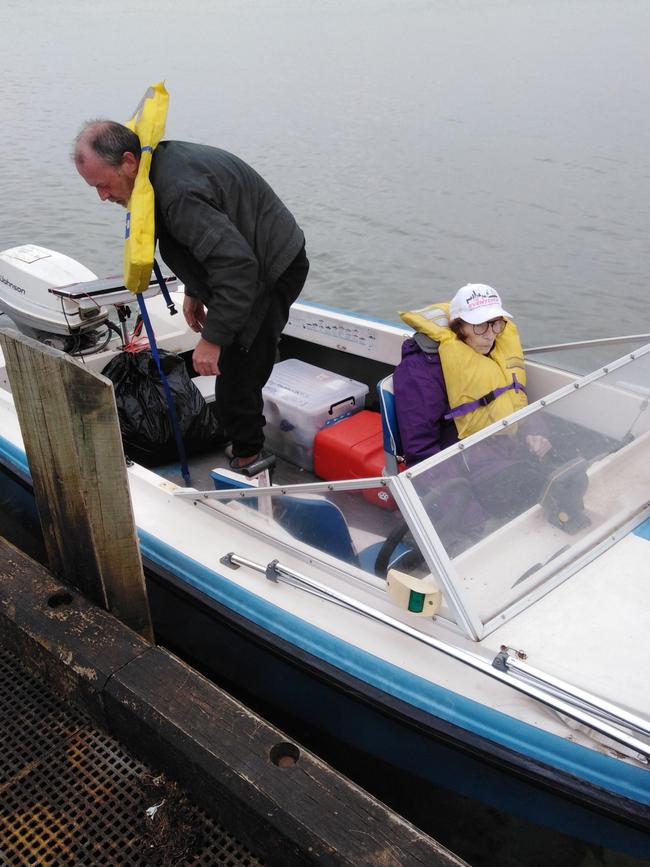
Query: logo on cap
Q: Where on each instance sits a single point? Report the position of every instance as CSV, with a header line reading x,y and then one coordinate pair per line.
x,y
481,299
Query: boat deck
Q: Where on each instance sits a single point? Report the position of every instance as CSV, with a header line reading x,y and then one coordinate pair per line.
x,y
284,473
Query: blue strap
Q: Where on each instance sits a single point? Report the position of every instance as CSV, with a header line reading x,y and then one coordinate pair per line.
x,y
170,400
464,408
163,288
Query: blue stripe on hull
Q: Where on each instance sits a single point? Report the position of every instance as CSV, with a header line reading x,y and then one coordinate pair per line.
x,y
643,530
14,458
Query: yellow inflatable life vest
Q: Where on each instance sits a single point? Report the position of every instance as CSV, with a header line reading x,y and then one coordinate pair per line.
x,y
148,123
471,377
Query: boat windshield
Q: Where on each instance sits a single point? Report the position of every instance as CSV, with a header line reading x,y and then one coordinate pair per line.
x,y
518,508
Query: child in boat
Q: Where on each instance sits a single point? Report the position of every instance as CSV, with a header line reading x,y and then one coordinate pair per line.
x,y
462,370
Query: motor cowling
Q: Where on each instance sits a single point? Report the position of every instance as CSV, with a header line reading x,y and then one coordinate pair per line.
x,y
27,274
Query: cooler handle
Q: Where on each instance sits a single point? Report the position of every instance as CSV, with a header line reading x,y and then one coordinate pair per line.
x,y
339,402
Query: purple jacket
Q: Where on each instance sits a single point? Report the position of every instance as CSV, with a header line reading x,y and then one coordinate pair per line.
x,y
504,476
421,403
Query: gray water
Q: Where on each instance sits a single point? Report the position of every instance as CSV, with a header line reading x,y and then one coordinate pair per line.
x,y
421,145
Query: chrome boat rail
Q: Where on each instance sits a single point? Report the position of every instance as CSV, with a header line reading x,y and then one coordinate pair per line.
x,y
583,707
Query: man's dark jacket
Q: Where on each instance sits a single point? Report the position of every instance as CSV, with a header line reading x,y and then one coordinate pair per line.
x,y
224,232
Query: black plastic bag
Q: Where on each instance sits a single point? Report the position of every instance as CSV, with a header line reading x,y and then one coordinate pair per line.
x,y
147,431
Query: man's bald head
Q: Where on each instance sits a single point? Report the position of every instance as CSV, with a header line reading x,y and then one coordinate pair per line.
x,y
107,156
108,139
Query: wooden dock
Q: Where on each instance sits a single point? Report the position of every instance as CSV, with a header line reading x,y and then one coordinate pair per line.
x,y
72,795
273,796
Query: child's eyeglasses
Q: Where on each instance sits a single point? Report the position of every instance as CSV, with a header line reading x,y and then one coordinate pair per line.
x,y
497,326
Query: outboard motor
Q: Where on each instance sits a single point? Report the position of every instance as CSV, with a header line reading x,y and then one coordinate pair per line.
x,y
57,300
27,274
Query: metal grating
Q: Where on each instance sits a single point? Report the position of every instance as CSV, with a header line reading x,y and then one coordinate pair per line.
x,y
70,795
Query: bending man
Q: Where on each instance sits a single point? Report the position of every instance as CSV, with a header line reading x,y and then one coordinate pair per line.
x,y
237,248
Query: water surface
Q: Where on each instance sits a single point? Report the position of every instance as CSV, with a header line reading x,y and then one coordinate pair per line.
x,y
421,145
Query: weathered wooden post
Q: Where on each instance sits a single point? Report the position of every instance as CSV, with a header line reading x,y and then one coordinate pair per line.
x,y
69,424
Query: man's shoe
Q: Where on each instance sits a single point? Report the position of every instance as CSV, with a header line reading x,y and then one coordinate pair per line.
x,y
254,465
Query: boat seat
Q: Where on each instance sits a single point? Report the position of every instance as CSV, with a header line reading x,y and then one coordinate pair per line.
x,y
390,429
321,523
316,522
312,520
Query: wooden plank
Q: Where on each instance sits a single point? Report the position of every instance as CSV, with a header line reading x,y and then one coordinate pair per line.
x,y
291,813
68,420
58,635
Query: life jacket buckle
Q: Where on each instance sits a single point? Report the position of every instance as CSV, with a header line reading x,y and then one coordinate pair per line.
x,y
487,398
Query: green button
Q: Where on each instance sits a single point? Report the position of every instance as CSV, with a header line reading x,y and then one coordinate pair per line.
x,y
416,602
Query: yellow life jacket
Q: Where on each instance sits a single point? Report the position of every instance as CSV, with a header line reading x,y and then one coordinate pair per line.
x,y
481,389
148,123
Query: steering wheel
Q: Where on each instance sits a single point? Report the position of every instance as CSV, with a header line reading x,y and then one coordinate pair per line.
x,y
445,506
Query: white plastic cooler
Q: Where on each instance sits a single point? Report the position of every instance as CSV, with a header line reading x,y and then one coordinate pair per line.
x,y
299,399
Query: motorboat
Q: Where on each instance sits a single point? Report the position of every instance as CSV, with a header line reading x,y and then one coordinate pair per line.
x,y
505,658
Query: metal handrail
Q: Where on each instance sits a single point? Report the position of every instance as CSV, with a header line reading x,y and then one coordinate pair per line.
x,y
282,490
580,697
580,705
579,344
